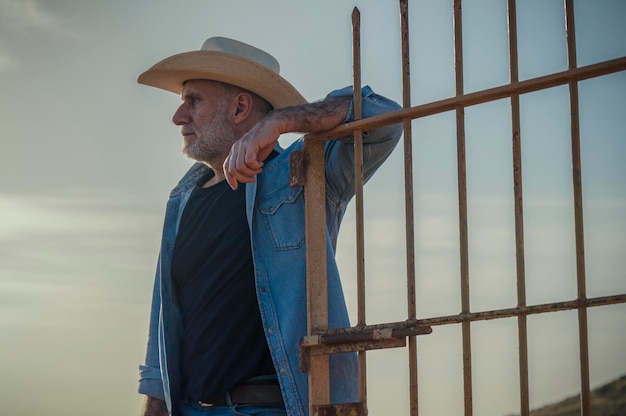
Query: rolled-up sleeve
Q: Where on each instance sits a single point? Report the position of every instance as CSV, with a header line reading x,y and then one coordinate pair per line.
x,y
150,381
377,144
372,105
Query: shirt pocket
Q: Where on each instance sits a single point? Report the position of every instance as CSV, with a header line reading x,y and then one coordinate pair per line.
x,y
283,215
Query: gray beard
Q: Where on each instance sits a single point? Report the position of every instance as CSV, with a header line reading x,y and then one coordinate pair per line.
x,y
212,143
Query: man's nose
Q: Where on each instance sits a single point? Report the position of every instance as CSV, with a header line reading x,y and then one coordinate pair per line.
x,y
181,116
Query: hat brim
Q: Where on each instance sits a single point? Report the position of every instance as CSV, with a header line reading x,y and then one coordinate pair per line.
x,y
170,74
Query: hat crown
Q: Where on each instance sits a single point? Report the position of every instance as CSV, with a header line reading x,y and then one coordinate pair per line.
x,y
228,61
242,50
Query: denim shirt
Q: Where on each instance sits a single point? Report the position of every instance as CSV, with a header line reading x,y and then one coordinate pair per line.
x,y
275,213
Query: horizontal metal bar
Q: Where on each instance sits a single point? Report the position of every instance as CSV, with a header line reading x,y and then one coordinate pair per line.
x,y
483,316
316,350
360,338
480,97
524,310
366,334
398,330
311,346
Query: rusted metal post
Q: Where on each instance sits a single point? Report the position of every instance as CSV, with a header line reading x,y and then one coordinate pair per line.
x,y
316,275
358,181
409,205
585,395
462,189
522,326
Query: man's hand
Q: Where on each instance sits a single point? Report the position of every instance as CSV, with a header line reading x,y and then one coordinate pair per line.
x,y
247,154
154,407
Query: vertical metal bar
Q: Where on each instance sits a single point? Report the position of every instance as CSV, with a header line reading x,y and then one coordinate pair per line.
x,y
462,189
409,205
585,395
522,326
358,175
316,276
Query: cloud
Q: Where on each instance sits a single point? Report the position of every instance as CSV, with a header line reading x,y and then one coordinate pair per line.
x,y
6,62
46,214
28,20
76,269
21,17
66,238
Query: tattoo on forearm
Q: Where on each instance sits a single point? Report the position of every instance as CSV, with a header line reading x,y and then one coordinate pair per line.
x,y
315,117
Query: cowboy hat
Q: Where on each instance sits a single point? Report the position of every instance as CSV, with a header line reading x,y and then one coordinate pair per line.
x,y
225,60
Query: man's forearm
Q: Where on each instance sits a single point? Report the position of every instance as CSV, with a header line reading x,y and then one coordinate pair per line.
x,y
154,407
247,154
313,117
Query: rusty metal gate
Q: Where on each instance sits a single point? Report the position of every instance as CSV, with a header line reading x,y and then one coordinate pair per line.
x,y
321,342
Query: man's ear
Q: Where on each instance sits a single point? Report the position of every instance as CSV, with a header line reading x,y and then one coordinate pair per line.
x,y
242,107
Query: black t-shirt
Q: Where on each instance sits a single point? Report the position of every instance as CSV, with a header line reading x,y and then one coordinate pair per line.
x,y
223,341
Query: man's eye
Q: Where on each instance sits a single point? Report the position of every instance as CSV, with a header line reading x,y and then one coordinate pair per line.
x,y
192,99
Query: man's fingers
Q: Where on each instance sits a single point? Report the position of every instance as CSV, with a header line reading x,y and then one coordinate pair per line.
x,y
251,160
240,166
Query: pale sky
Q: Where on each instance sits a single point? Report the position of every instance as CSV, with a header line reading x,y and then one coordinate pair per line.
x,y
88,158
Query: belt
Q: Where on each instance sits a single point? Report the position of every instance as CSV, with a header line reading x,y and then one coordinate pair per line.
x,y
261,394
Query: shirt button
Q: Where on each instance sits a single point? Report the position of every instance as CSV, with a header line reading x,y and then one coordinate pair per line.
x,y
271,330
283,371
167,245
262,289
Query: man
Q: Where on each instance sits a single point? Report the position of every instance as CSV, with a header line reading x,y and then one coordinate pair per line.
x,y
229,304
